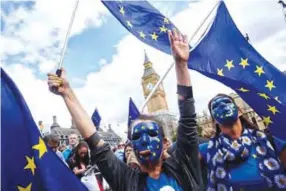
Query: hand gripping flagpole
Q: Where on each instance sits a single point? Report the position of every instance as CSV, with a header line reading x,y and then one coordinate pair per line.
x,y
173,63
58,72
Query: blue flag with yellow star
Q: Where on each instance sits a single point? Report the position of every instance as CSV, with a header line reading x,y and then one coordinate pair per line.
x,y
26,162
143,21
224,55
96,119
133,114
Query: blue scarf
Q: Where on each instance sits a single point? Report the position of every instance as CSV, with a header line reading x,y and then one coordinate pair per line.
x,y
222,150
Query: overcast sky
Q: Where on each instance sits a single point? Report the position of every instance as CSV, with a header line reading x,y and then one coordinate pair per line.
x,y
104,62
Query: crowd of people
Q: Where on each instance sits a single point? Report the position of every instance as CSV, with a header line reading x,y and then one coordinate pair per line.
x,y
236,155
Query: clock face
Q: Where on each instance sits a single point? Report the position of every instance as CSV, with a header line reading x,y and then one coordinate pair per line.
x,y
149,86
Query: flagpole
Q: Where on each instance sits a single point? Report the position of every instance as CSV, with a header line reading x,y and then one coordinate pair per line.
x,y
67,36
60,64
173,63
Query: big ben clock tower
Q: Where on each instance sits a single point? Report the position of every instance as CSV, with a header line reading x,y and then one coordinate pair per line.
x,y
150,78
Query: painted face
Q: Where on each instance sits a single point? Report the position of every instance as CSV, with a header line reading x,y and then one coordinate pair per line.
x,y
224,111
147,142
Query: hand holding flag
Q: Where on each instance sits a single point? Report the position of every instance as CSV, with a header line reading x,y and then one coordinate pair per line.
x,y
61,83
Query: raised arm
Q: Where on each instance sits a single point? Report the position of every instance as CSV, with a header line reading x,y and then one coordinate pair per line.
x,y
60,86
187,139
101,154
187,130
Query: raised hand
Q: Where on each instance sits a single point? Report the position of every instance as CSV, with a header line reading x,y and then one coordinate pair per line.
x,y
58,85
179,46
180,50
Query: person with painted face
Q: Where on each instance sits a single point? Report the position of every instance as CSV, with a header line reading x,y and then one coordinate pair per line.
x,y
240,156
179,172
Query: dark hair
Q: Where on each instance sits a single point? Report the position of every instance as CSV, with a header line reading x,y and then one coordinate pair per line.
x,y
52,138
242,118
148,118
128,144
77,157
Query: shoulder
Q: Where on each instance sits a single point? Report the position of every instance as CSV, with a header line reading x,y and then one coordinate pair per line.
x,y
66,150
203,149
60,154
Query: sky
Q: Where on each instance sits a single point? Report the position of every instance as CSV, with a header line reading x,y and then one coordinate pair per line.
x,y
104,62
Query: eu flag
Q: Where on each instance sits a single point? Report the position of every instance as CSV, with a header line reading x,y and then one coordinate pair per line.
x,y
27,163
96,119
133,114
143,21
224,55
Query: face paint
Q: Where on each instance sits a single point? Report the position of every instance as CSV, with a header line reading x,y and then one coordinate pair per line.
x,y
147,142
224,111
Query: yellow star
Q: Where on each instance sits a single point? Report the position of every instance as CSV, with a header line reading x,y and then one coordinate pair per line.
x,y
272,109
243,90
166,20
142,35
41,147
220,72
244,62
270,85
254,156
267,120
28,188
163,29
259,70
122,11
264,96
229,64
154,154
129,24
154,36
30,164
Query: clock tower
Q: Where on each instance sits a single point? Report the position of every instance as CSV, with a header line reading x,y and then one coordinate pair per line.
x,y
150,78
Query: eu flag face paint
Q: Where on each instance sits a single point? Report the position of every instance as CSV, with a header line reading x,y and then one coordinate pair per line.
x,y
147,142
224,111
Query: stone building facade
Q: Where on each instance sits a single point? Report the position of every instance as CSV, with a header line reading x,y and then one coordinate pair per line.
x,y
108,136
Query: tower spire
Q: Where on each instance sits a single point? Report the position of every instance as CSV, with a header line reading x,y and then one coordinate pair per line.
x,y
146,60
